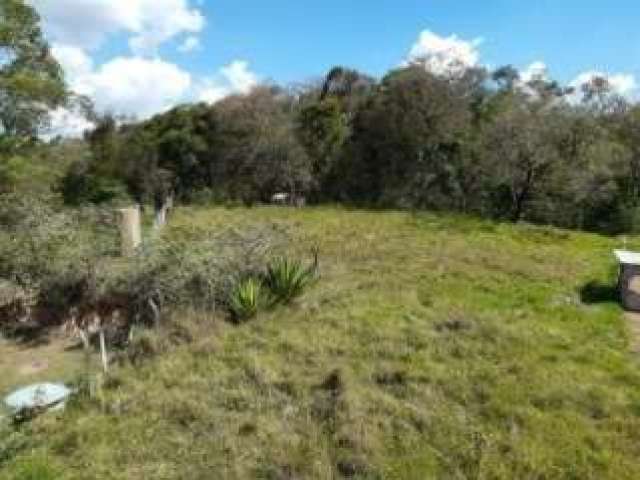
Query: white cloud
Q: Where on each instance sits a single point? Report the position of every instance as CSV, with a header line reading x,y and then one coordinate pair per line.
x,y
445,55
233,78
190,44
531,74
240,78
623,84
538,70
67,123
148,23
74,61
139,84
141,87
132,86
135,86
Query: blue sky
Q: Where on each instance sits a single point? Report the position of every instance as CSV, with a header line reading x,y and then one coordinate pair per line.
x,y
142,56
290,40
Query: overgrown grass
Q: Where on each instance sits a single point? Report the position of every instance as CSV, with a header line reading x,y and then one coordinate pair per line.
x,y
434,347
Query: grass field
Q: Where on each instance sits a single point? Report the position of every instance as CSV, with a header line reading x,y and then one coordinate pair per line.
x,y
432,347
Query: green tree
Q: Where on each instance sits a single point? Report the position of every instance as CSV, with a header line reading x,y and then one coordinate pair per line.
x,y
31,84
322,129
521,146
405,141
31,81
258,147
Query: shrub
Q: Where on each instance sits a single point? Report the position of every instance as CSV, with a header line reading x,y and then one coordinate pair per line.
x,y
45,249
198,273
246,298
287,279
59,263
145,345
63,259
80,186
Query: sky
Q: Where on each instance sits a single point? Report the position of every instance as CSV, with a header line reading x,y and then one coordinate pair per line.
x,y
141,57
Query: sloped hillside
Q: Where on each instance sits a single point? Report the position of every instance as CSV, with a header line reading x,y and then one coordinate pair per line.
x,y
432,347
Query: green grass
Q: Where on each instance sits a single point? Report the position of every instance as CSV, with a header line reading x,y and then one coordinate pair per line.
x,y
431,347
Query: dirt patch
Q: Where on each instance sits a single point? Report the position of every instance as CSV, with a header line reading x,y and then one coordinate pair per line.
x,y
33,367
52,360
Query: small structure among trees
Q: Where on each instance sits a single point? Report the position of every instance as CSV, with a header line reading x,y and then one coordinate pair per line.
x,y
282,198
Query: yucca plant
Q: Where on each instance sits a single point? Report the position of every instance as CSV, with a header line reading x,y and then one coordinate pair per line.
x,y
246,298
287,279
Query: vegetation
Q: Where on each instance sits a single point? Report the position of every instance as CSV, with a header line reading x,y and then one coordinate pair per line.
x,y
31,84
479,142
433,347
484,143
63,264
287,278
437,345
247,298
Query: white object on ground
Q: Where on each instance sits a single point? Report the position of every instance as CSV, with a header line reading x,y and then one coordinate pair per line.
x,y
280,198
41,395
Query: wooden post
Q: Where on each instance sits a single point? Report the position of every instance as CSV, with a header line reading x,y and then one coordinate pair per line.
x,y
104,356
130,230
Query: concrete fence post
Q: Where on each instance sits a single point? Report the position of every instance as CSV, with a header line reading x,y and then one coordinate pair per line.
x,y
130,230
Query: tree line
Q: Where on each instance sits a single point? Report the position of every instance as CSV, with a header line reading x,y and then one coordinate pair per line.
x,y
475,141
479,142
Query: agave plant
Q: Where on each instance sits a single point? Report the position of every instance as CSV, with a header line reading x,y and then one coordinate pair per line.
x,y
246,298
287,279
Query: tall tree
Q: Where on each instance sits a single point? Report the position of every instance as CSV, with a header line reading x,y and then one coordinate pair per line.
x,y
405,139
31,81
520,144
258,145
322,128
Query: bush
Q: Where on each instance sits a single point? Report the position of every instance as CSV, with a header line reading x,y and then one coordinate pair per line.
x,y
79,186
196,272
46,248
287,279
63,259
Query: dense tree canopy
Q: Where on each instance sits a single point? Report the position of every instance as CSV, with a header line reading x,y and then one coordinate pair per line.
x,y
478,142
